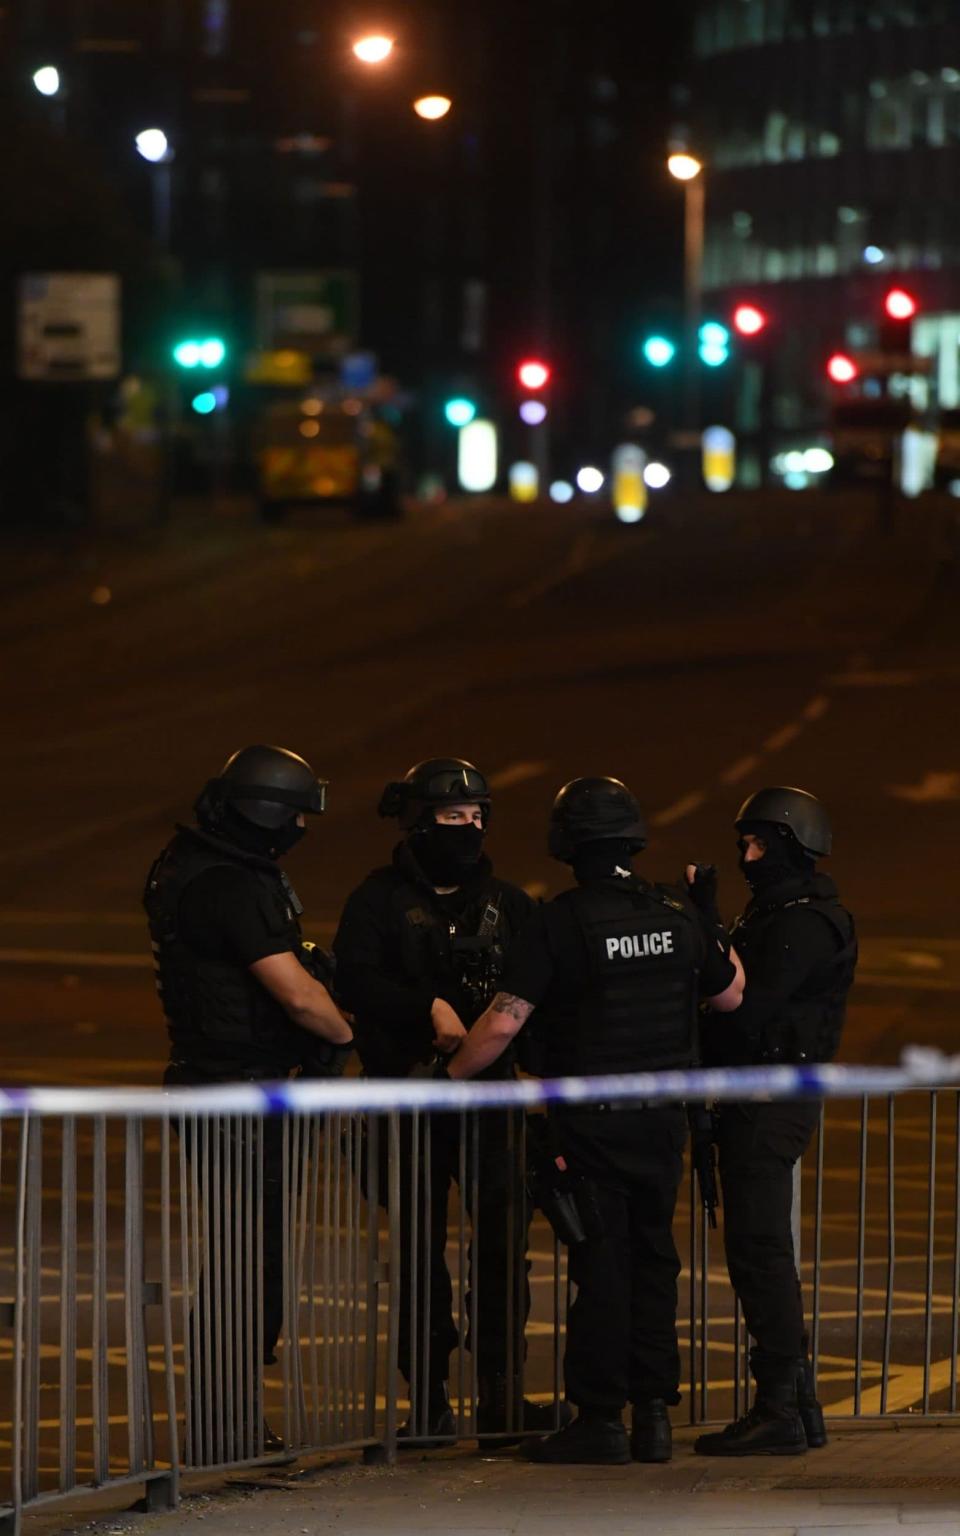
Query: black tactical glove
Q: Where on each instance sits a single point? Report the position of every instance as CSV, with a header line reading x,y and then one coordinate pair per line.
x,y
702,890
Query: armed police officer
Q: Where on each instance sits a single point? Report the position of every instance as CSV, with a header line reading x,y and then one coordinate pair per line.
x,y
615,969
420,948
799,953
243,1002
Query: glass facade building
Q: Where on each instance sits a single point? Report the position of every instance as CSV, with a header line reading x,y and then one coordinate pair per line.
x,y
831,134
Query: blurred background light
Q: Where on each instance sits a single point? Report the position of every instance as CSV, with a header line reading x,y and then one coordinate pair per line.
x,y
374,49
590,479
659,351
460,411
533,412
477,456
432,108
683,166
524,481
47,80
152,144
562,491
657,475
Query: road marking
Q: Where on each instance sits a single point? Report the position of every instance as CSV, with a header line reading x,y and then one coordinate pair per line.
x,y
783,737
740,769
517,773
679,809
868,679
83,833
816,708
77,957
582,554
932,789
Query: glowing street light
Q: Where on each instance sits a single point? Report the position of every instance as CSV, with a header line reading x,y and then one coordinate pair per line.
x,y
684,167
900,305
47,80
749,320
432,108
374,49
153,145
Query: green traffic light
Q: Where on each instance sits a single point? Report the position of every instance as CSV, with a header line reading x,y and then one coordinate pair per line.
x,y
204,404
460,411
659,351
200,352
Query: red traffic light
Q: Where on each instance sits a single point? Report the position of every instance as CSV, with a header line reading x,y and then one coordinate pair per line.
x,y
533,374
749,320
900,305
841,368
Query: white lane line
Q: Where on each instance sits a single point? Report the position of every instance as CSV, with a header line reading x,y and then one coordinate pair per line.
x,y
78,957
679,809
740,769
582,555
783,737
816,708
517,773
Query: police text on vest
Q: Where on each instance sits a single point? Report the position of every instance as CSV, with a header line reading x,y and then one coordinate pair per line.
x,y
636,946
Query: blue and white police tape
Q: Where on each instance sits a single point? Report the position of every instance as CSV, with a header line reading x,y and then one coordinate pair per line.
x,y
918,1069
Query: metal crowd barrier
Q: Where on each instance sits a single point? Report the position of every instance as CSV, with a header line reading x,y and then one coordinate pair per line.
x,y
154,1247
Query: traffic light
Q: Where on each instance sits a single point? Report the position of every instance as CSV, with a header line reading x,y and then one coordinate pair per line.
x,y
210,400
533,374
714,344
841,368
460,411
900,305
200,352
659,351
748,320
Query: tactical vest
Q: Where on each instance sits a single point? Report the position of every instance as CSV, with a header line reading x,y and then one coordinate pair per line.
x,y
810,1026
469,947
219,1017
638,1010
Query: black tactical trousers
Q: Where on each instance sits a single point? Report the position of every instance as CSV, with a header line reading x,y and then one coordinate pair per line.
x,y
496,1260
758,1146
622,1328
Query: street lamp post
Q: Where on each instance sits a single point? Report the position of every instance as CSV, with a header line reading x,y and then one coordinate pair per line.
x,y
688,169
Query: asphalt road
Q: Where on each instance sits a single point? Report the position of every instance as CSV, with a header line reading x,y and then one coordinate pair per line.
x,y
714,648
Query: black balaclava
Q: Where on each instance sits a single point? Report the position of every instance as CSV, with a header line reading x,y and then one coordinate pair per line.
x,y
268,842
447,854
603,858
783,860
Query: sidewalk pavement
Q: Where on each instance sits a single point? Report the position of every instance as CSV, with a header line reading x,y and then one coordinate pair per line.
x,y
869,1481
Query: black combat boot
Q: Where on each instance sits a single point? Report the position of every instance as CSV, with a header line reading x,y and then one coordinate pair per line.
x,y
492,1416
772,1427
592,1439
810,1411
441,1423
651,1439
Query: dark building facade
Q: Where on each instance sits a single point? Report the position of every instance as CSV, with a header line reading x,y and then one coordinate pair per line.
x,y
530,221
830,130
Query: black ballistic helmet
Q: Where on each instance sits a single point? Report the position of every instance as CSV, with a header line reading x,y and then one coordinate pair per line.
x,y
435,782
801,813
587,810
268,786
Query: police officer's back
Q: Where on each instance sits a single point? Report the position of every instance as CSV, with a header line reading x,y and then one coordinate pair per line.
x,y
799,951
613,971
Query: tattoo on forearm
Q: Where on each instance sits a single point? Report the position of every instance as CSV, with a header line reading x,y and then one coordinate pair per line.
x,y
517,1007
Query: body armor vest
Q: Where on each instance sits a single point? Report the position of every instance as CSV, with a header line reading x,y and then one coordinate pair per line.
x,y
469,946
220,1019
810,1026
638,1011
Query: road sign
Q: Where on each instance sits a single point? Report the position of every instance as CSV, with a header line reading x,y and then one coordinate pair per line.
x,y
69,326
313,312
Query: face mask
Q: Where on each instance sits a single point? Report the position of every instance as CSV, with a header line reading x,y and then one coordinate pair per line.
x,y
446,854
268,842
783,857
